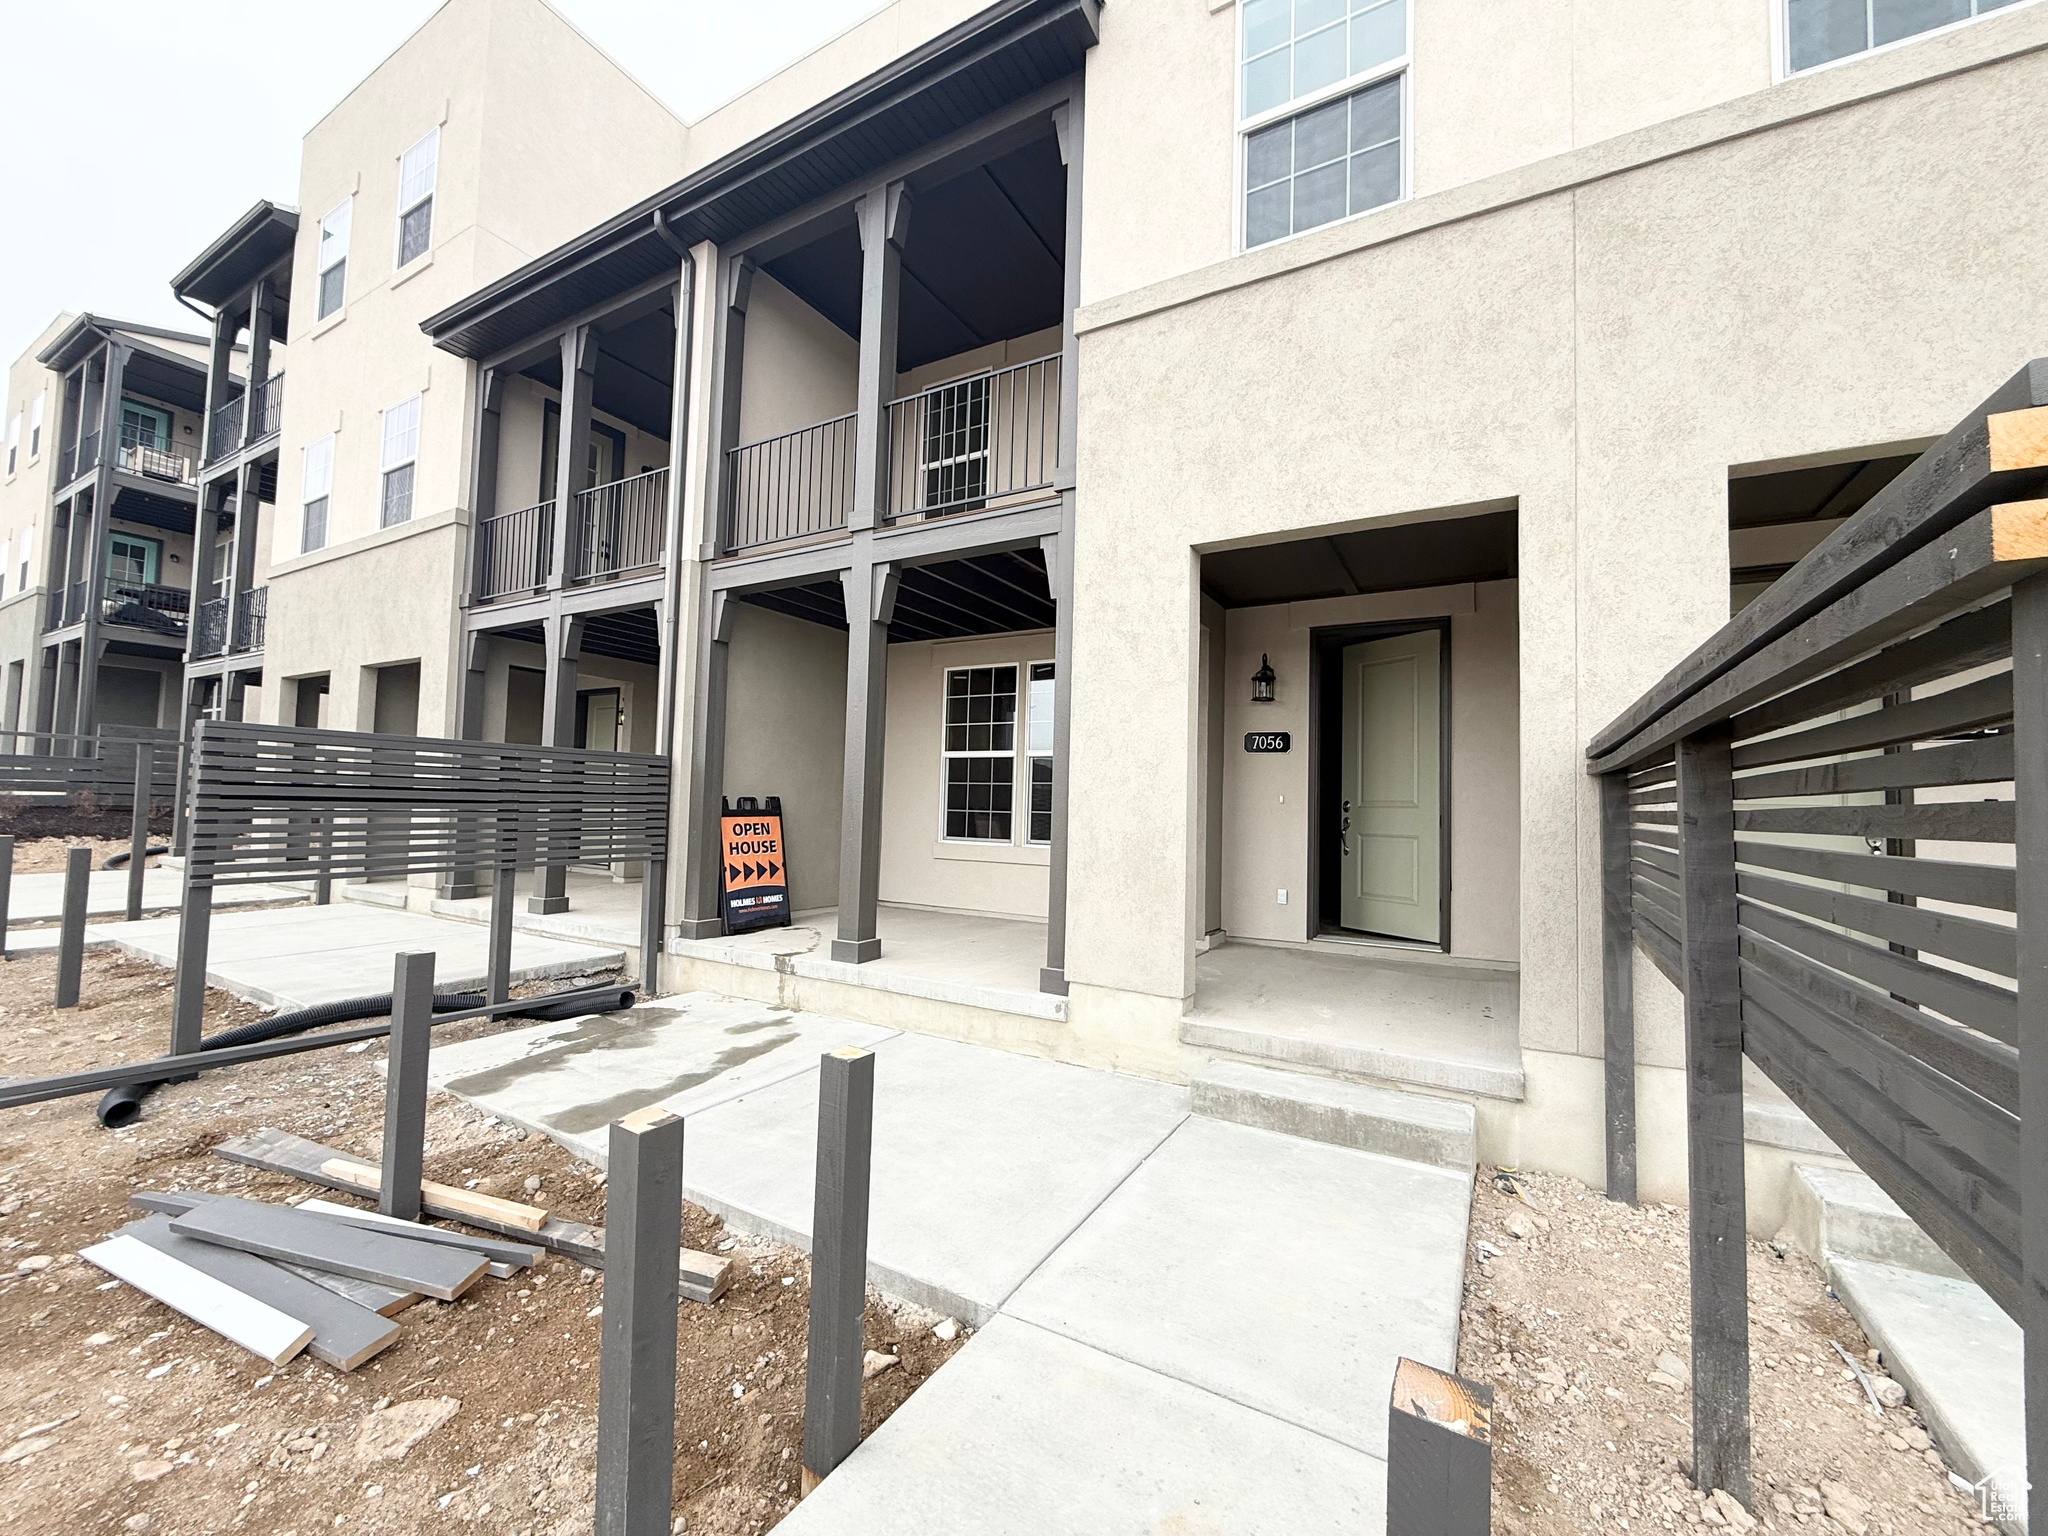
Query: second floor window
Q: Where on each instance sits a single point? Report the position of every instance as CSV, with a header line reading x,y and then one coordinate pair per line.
x,y
401,446
316,483
35,430
28,546
416,197
13,440
1321,111
1821,31
333,261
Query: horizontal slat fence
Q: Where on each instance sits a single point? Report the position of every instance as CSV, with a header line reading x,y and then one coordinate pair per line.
x,y
1829,828
41,764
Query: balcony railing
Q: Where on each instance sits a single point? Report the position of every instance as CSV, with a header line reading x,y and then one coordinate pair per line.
x,y
224,430
269,405
250,619
173,464
619,527
67,605
78,457
145,605
975,442
789,486
515,551
210,628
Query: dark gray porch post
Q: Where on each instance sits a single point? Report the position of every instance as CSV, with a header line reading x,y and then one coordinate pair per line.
x,y
219,366
707,771
884,215
242,552
260,299
95,572
870,603
1059,564
1617,987
483,470
2030,790
579,379
1713,1117
558,729
67,693
461,884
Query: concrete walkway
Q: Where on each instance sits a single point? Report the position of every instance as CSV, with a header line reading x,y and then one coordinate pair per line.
x,y
294,957
39,898
1187,1325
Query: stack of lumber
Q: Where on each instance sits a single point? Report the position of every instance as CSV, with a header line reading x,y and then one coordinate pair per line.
x,y
278,1279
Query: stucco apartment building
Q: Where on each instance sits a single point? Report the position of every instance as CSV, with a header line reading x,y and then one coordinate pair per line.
x,y
1163,492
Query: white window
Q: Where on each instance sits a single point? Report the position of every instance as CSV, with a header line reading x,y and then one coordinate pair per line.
x,y
333,263
1038,751
28,549
1322,111
416,197
3,567
316,482
401,440
13,440
1821,31
35,436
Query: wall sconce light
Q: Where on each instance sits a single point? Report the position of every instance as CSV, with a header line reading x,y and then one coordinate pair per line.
x,y
1262,681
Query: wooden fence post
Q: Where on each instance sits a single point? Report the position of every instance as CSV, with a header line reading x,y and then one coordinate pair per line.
x,y
636,1384
2030,853
1713,1117
1617,986
71,935
6,887
839,1261
138,827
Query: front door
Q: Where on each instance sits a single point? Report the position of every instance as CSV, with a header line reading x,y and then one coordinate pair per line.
x,y
1391,818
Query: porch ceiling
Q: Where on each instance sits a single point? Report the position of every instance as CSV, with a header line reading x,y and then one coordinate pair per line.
x,y
629,636
132,505
992,594
1809,495
1435,554
636,367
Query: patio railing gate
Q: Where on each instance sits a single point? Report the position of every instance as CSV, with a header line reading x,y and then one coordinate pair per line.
x,y
1828,827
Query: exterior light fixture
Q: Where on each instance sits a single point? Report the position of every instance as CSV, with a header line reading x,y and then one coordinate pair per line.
x,y
1262,681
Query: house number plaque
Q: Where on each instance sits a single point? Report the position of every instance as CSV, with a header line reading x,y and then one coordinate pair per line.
x,y
1267,741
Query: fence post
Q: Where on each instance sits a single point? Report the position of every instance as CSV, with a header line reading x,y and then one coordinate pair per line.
x,y
195,924
498,968
138,828
1617,987
636,1381
6,887
71,938
405,1083
2030,853
839,1261
1713,1116
653,898
1439,1453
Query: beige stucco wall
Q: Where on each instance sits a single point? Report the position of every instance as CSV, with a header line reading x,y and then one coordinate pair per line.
x,y
522,431
798,367
1597,338
785,734
1265,797
920,866
25,494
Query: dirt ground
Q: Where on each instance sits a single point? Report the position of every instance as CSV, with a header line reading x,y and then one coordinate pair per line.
x,y
1569,1324
47,855
118,1415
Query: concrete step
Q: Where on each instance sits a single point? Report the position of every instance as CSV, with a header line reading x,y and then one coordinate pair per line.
x,y
1840,1213
1411,1126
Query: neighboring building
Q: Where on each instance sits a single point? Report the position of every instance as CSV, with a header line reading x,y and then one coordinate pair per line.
x,y
30,474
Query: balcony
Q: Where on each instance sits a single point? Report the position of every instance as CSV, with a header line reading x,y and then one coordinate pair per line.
x,y
985,441
269,406
210,629
210,625
173,464
250,619
515,551
619,528
145,605
224,430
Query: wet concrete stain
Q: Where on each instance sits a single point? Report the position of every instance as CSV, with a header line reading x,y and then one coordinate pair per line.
x,y
606,1031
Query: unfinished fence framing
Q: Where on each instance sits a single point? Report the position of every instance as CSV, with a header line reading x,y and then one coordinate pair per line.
x,y
271,803
1828,827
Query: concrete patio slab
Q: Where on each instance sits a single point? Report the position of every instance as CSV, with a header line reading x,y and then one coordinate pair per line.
x,y
294,957
1431,1021
1284,1274
572,1079
1024,1433
39,898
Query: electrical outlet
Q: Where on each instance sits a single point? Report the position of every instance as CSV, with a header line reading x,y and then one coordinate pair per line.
x,y
1283,895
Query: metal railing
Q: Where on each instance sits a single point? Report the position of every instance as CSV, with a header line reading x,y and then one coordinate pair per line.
x,y
619,527
175,463
974,442
210,628
790,486
1827,828
78,457
269,405
224,430
515,551
145,605
251,615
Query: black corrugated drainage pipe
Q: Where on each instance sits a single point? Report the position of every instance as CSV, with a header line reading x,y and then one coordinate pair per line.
x,y
120,860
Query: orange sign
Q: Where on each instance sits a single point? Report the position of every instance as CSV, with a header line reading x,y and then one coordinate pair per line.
x,y
753,866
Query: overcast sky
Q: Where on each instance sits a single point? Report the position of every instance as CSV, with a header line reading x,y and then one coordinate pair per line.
x,y
136,133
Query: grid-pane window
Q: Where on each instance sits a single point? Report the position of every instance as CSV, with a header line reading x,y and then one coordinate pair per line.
x,y
1038,707
416,168
1821,31
28,547
981,753
401,446
1340,158
956,443
35,433
316,484
1296,48
333,266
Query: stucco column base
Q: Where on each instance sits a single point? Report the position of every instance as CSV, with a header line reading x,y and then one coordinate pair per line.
x,y
1053,979
543,905
856,951
1125,1032
700,928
